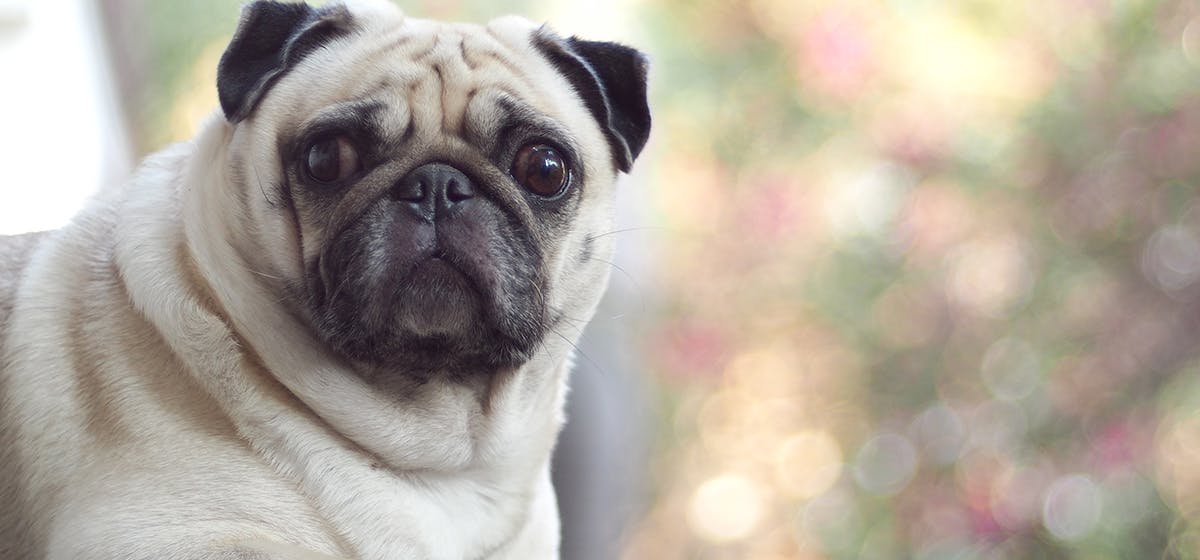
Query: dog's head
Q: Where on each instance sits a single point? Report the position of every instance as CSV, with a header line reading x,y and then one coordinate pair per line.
x,y
433,195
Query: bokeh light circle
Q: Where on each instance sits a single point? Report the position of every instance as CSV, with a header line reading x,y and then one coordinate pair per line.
x,y
726,508
885,464
808,463
1071,508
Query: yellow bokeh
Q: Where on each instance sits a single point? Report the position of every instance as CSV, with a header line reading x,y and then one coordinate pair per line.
x,y
726,508
808,463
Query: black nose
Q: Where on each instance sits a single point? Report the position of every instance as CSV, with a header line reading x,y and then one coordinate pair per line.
x,y
434,186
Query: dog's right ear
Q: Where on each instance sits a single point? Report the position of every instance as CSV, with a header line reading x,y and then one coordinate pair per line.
x,y
270,39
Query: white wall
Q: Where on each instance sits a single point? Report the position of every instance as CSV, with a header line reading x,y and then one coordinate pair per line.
x,y
61,137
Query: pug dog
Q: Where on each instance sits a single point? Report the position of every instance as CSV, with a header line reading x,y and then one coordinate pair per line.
x,y
337,323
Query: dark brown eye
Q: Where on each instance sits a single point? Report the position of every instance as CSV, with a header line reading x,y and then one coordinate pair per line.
x,y
540,169
331,159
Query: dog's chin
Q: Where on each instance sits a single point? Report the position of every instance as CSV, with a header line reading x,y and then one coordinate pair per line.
x,y
440,323
439,301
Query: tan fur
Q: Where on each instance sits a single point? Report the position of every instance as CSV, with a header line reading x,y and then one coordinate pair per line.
x,y
158,401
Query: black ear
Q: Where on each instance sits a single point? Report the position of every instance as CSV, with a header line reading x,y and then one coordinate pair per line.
x,y
271,38
611,79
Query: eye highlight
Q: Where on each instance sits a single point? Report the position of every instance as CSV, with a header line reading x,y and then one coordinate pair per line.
x,y
541,170
332,159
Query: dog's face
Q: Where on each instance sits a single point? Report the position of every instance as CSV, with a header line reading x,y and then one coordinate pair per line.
x,y
432,195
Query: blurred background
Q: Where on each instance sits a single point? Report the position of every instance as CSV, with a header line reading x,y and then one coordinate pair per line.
x,y
895,278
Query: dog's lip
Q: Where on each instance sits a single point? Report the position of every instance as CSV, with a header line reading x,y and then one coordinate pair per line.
x,y
441,298
437,262
439,256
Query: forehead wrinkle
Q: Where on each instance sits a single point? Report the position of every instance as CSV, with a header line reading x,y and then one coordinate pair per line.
x,y
455,83
439,71
396,39
486,51
461,62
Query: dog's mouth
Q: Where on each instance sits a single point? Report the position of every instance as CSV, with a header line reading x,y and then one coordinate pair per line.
x,y
446,302
439,297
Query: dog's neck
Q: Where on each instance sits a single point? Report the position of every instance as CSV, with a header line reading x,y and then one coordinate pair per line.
x,y
432,474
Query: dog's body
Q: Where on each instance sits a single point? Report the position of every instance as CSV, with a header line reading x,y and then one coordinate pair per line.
x,y
234,358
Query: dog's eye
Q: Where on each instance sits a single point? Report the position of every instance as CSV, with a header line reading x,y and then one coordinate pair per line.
x,y
541,170
331,159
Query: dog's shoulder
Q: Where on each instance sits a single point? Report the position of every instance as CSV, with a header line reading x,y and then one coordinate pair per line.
x,y
15,253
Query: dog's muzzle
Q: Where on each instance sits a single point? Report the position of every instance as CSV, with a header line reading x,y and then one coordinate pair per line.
x,y
433,269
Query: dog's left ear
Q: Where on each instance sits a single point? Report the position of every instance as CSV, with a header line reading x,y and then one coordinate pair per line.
x,y
611,79
270,39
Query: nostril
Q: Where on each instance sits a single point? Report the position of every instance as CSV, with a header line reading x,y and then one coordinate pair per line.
x,y
433,184
458,190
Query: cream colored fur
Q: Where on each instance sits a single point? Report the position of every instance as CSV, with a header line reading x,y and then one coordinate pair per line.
x,y
160,402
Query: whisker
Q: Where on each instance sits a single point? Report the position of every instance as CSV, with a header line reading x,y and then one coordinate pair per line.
x,y
258,179
637,286
580,351
338,290
632,280
578,326
263,274
623,230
